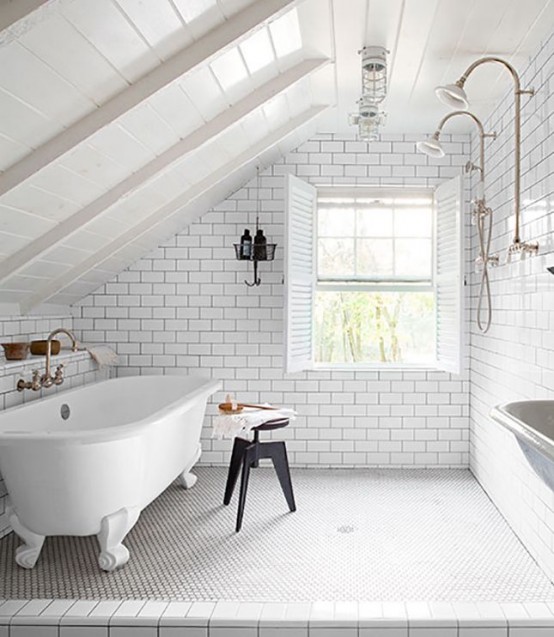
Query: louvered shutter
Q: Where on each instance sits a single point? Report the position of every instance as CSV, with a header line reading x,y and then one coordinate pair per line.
x,y
449,275
300,207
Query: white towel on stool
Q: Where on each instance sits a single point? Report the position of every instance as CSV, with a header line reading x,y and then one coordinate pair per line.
x,y
103,355
231,425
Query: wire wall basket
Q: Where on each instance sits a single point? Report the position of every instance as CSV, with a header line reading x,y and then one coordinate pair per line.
x,y
253,252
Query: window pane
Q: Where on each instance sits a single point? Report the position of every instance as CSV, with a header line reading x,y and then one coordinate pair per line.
x,y
374,257
375,222
335,257
374,327
413,222
335,222
412,257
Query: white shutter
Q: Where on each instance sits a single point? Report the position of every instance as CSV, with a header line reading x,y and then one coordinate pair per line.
x,y
449,274
300,207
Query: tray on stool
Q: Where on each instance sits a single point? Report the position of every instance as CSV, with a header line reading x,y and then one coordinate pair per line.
x,y
247,455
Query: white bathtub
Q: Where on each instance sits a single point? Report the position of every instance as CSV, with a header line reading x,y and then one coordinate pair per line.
x,y
87,461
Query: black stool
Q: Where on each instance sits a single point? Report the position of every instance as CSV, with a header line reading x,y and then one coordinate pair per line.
x,y
248,454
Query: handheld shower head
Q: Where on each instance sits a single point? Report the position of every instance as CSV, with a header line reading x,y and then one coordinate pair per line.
x,y
470,167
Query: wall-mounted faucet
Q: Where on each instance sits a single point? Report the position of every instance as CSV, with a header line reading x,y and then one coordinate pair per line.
x,y
47,380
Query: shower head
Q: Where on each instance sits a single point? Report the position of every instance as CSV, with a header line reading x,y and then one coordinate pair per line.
x,y
551,269
453,95
431,147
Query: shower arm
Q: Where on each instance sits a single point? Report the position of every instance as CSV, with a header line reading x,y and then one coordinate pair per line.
x,y
517,244
482,136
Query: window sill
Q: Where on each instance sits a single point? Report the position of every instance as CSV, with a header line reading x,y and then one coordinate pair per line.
x,y
381,367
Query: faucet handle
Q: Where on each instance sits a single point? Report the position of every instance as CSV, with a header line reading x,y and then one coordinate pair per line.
x,y
58,376
36,383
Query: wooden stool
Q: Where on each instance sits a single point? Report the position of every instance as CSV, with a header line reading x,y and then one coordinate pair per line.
x,y
247,453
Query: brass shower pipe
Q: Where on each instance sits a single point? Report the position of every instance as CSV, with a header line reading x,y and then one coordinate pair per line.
x,y
481,211
454,95
482,136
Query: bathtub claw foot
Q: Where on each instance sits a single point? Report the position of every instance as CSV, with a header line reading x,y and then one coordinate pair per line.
x,y
187,479
114,528
116,557
27,554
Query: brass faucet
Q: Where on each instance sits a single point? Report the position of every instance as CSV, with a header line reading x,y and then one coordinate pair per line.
x,y
47,379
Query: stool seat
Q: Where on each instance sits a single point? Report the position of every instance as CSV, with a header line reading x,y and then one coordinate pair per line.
x,y
247,454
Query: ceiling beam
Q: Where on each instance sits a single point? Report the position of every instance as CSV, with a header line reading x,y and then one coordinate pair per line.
x,y
198,53
170,209
203,135
11,11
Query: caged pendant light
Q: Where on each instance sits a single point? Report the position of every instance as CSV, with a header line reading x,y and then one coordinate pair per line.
x,y
370,117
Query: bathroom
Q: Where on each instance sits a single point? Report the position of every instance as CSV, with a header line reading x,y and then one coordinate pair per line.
x,y
136,150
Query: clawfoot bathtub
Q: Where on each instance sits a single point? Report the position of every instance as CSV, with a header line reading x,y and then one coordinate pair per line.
x,y
89,460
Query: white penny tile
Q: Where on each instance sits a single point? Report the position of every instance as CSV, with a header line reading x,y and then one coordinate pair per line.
x,y
351,513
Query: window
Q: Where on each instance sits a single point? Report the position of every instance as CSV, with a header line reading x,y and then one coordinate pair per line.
x,y
373,276
374,300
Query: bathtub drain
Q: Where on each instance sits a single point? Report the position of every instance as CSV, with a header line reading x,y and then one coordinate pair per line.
x,y
65,411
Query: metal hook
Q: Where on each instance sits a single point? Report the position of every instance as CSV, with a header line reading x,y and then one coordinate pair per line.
x,y
257,280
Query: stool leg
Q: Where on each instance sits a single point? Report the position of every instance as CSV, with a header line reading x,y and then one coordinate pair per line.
x,y
239,447
281,464
256,462
248,458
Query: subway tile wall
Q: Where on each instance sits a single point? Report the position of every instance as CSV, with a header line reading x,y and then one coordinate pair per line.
x,y
515,359
185,308
79,369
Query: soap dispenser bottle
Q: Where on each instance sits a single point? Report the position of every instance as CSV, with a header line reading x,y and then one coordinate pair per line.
x,y
246,245
260,249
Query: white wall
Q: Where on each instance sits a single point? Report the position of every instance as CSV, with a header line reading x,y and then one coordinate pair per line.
x,y
515,360
185,307
79,369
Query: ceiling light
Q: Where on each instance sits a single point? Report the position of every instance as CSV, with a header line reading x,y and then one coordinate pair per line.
x,y
370,117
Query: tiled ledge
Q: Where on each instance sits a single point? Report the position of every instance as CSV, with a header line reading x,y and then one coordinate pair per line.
x,y
32,362
114,618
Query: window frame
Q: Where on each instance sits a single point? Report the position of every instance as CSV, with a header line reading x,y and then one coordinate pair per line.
x,y
450,199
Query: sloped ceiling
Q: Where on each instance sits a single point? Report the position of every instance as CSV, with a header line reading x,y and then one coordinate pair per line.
x,y
122,119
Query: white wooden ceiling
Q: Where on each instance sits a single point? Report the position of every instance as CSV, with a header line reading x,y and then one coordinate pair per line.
x,y
121,120
432,42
